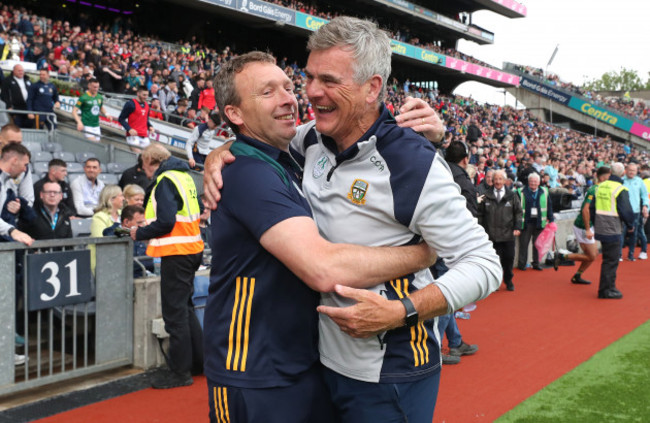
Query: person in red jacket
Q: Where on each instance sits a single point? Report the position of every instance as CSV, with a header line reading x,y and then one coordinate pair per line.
x,y
206,98
135,120
155,112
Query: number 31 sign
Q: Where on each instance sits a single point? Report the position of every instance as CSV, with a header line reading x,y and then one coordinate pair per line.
x,y
58,279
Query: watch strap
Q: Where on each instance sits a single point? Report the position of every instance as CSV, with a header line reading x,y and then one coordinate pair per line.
x,y
411,313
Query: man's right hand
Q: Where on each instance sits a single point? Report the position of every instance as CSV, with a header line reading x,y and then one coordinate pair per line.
x,y
589,233
133,132
21,236
192,163
80,127
212,181
13,207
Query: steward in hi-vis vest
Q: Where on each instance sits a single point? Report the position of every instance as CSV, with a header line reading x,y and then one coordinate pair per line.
x,y
172,212
611,206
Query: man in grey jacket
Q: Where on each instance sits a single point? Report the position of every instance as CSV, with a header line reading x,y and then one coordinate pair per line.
x,y
501,215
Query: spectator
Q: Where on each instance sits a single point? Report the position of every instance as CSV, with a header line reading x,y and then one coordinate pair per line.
x,y
107,212
91,105
134,195
538,211
552,171
86,188
168,96
11,133
155,112
201,141
52,220
501,215
132,216
135,175
207,96
13,163
486,184
135,121
57,171
638,195
15,92
457,157
133,81
178,117
194,97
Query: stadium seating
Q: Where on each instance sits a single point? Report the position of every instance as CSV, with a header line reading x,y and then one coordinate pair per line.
x,y
39,167
66,156
41,156
117,168
81,227
109,178
84,155
74,167
32,146
52,147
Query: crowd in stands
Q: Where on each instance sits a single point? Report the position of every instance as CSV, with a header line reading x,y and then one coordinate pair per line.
x,y
636,109
122,60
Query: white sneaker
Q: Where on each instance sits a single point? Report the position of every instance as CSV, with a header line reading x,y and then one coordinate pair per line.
x,y
643,256
19,359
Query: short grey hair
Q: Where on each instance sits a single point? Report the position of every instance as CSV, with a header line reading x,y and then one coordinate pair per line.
x,y
534,176
618,169
369,45
500,172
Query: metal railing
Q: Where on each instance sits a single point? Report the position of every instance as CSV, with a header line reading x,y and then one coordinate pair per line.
x,y
64,341
49,118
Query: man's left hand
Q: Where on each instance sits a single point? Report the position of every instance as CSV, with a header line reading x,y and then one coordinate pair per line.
x,y
416,113
372,314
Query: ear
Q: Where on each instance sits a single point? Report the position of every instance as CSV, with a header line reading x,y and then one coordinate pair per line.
x,y
234,114
374,85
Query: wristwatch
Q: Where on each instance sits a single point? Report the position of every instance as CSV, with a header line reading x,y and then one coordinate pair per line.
x,y
10,231
411,313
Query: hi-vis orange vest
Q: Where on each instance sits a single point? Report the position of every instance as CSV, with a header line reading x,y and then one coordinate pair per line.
x,y
185,237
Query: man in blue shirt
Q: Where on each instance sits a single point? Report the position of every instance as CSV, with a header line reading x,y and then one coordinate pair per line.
x,y
43,97
261,325
638,194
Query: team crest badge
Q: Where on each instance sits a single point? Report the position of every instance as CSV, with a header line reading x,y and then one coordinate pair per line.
x,y
319,167
358,191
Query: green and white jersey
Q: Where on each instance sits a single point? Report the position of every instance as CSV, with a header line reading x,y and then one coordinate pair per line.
x,y
90,107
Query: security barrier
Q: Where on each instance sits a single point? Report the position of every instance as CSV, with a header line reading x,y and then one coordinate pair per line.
x,y
73,324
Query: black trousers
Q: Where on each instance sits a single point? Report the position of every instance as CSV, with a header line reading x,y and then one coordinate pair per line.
x,y
185,335
611,254
527,233
506,252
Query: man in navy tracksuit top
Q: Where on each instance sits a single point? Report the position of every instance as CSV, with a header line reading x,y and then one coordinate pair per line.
x,y
43,97
261,325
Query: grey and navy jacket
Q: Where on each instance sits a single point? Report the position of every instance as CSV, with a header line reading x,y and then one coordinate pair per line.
x,y
391,188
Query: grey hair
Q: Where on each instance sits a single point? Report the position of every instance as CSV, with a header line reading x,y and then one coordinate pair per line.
x,y
618,169
502,173
369,45
534,176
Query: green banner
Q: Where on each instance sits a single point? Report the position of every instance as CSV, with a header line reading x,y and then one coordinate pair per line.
x,y
601,114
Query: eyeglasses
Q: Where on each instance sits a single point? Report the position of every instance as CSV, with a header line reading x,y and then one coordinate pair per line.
x,y
52,192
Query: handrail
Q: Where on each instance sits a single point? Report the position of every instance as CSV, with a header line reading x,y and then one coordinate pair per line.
x,y
49,117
